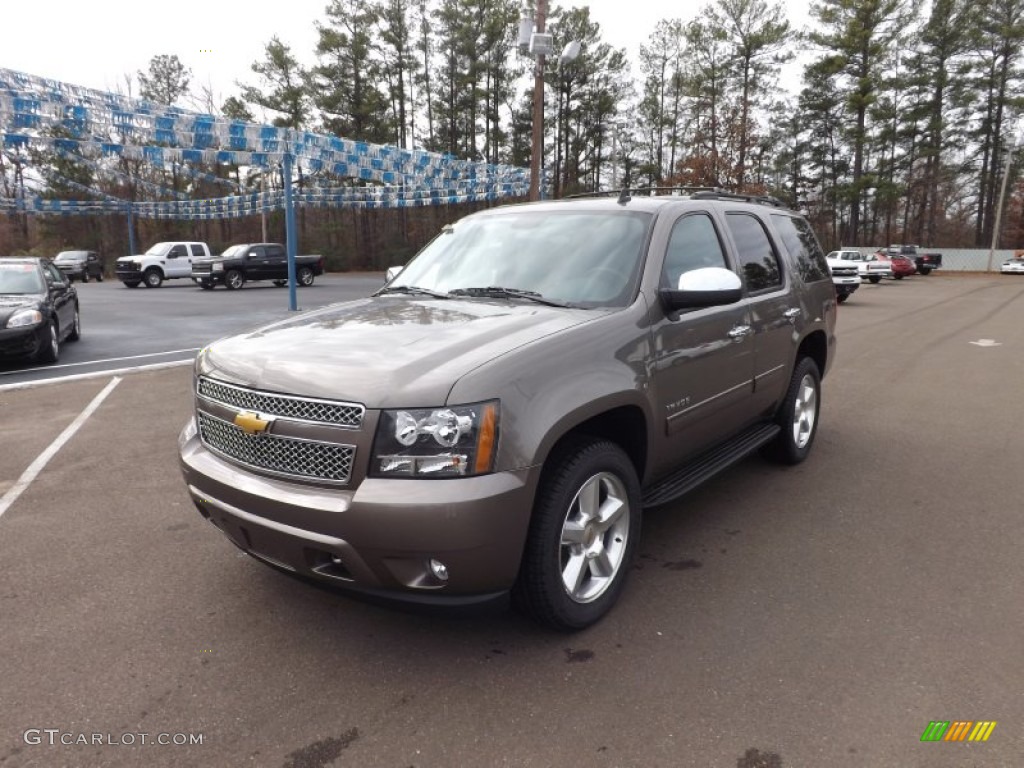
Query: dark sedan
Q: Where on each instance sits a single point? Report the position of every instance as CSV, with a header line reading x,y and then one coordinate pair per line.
x,y
38,309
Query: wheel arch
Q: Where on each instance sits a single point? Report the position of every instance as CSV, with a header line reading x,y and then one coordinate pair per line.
x,y
815,346
625,425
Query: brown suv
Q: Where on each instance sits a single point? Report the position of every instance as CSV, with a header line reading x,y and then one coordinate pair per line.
x,y
498,415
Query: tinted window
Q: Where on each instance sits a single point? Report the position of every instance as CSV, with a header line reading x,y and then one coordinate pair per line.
x,y
804,251
197,250
694,244
256,251
178,250
275,250
758,262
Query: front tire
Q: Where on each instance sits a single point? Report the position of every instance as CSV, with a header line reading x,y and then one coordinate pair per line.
x,y
85,277
234,280
875,280
798,415
50,351
304,276
76,327
898,277
925,270
153,278
131,283
583,534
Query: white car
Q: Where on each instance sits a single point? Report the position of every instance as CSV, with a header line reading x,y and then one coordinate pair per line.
x,y
1013,267
870,267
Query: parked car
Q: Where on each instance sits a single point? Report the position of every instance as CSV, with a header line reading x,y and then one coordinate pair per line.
x,y
164,261
900,264
496,417
80,265
870,267
1014,266
246,262
38,309
845,277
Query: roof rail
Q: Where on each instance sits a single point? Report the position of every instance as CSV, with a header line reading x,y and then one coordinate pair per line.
x,y
696,193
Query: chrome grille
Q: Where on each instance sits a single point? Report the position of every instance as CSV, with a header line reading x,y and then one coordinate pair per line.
x,y
307,459
844,271
318,411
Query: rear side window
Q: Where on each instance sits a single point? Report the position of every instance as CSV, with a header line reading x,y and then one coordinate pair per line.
x,y
805,253
759,265
197,249
694,244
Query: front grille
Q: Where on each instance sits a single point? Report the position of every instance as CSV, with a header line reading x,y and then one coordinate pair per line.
x,y
308,459
844,271
318,411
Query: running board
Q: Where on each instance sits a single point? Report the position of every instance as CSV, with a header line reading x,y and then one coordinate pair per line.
x,y
709,464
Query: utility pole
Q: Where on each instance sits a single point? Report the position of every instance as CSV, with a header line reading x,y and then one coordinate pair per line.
x,y
537,154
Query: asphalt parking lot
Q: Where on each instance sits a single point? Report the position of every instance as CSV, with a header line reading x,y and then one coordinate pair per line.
x,y
821,615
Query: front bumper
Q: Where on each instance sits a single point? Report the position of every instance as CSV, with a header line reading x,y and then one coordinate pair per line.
x,y
208,278
128,274
378,538
72,272
23,342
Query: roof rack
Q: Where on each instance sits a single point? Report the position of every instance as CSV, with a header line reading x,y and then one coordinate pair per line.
x,y
695,193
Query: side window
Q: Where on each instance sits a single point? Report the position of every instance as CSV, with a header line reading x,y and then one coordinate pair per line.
x,y
804,251
694,244
257,251
197,249
176,251
275,251
53,274
758,262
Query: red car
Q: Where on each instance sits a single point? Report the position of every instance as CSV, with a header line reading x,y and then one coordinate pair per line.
x,y
901,265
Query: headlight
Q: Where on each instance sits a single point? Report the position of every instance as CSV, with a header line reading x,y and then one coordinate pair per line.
x,y
25,317
217,268
456,441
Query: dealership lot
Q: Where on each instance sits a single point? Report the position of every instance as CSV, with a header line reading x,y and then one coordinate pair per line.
x,y
816,616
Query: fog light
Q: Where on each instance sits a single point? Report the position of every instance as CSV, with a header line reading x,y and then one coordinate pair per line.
x,y
439,569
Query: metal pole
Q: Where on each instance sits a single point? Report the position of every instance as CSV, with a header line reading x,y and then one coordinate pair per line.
x,y
538,110
999,207
289,228
263,202
131,231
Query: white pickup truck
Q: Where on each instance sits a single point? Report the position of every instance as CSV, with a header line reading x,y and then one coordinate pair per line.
x,y
845,277
164,261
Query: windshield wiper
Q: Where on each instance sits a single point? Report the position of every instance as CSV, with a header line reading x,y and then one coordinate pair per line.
x,y
494,292
413,290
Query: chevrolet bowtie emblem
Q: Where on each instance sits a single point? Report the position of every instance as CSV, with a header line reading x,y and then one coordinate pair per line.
x,y
252,423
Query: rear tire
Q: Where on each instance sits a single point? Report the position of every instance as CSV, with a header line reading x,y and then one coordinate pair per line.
x,y
583,534
798,415
925,271
875,280
85,277
897,277
205,285
280,283
304,277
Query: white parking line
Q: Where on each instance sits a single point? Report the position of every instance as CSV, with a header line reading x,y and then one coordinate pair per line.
x,y
98,362
43,458
95,375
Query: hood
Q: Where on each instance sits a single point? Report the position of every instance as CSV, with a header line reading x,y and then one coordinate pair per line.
x,y
131,258
392,351
12,302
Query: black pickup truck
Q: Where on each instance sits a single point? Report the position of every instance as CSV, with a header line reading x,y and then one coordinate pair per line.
x,y
246,262
925,262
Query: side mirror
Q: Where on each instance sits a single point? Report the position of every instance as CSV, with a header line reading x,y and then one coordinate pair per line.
x,y
707,287
392,273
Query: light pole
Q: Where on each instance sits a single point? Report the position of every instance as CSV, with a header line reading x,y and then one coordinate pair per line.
x,y
1002,202
534,42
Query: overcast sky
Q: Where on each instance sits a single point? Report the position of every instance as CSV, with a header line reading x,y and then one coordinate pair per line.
x,y
96,43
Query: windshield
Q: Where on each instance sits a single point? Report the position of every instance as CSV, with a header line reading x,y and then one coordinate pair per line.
x,y
582,257
233,251
158,249
20,279
70,256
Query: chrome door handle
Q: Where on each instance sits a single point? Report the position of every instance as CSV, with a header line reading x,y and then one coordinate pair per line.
x,y
792,314
740,331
